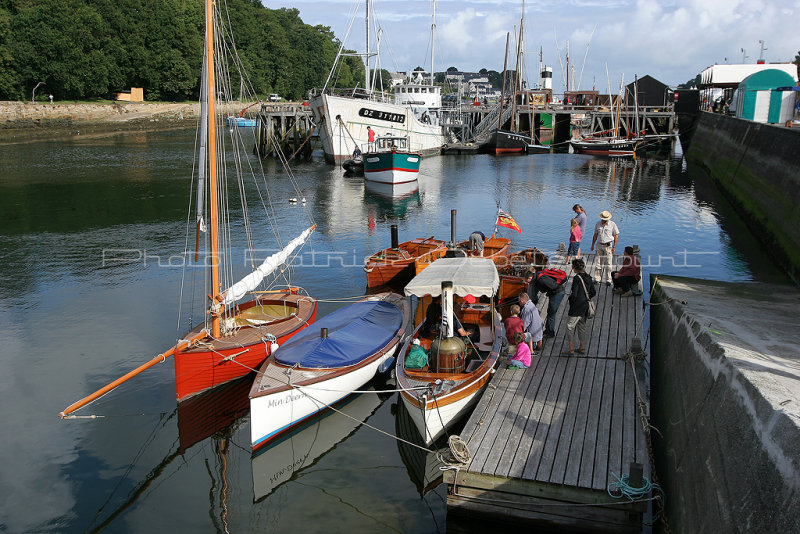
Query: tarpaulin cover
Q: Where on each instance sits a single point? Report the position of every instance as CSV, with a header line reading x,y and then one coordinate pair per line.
x,y
354,333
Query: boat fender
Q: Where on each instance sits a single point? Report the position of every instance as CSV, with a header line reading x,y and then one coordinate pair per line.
x,y
387,365
271,343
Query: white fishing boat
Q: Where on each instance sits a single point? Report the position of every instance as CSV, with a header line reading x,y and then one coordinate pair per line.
x,y
457,372
323,365
413,111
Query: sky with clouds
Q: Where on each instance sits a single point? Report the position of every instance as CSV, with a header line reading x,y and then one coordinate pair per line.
x,y
672,41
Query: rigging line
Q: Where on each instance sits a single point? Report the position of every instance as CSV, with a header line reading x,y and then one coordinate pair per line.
x,y
150,438
398,438
195,166
399,390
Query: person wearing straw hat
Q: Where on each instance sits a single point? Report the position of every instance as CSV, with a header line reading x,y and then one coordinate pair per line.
x,y
606,235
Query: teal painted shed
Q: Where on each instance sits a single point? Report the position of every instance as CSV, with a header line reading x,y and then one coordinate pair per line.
x,y
757,99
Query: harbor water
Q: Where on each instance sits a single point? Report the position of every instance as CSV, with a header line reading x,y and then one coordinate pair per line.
x,y
93,233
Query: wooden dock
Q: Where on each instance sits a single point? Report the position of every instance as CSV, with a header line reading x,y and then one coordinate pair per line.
x,y
545,441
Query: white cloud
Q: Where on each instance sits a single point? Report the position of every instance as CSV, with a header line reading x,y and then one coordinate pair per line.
x,y
669,40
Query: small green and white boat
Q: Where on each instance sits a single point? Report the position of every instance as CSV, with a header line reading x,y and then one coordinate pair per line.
x,y
389,161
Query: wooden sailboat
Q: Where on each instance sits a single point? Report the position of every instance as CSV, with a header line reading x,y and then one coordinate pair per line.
x,y
234,338
441,392
605,145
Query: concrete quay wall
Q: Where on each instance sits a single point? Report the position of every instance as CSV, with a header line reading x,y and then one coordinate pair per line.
x,y
757,168
726,402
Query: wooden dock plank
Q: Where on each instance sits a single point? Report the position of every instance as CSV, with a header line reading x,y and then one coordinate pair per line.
x,y
547,421
592,426
495,411
572,471
503,420
525,395
600,475
563,450
560,417
537,393
618,419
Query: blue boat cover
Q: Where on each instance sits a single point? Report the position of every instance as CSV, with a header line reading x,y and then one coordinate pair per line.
x,y
354,333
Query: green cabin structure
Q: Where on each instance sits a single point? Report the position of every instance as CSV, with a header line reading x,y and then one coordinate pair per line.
x,y
758,98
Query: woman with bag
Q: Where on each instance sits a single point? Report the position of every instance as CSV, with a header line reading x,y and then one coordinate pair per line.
x,y
581,307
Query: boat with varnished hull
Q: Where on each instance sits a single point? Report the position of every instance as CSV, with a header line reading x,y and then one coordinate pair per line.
x,y
494,248
395,265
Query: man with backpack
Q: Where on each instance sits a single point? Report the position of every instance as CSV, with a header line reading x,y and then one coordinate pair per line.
x,y
551,283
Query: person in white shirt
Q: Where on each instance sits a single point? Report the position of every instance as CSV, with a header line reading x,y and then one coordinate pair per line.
x,y
606,235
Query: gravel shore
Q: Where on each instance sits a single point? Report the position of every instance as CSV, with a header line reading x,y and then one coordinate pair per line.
x,y
21,121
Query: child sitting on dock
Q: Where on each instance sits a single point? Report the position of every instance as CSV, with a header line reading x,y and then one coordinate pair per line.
x,y
575,237
513,325
522,358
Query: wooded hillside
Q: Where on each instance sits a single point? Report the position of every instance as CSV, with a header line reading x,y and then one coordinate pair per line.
x,y
88,49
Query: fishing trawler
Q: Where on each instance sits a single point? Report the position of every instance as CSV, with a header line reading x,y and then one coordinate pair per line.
x,y
413,111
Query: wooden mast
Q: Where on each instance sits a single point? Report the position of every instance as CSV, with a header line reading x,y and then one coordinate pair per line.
x,y
503,91
517,79
212,171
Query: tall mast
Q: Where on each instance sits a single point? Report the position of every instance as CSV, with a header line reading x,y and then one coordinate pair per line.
x,y
433,40
503,91
541,67
366,56
517,68
212,167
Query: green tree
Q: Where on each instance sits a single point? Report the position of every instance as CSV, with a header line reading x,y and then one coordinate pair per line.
x,y
10,81
94,48
694,82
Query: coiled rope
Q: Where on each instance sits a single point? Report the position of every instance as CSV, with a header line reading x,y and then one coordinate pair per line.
x,y
620,487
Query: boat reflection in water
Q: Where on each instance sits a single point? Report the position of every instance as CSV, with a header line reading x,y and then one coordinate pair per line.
x,y
392,191
213,412
279,461
422,461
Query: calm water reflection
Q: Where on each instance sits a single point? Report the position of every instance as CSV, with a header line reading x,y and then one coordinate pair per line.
x,y
72,323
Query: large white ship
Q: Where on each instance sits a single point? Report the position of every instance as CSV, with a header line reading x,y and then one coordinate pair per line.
x,y
343,120
413,111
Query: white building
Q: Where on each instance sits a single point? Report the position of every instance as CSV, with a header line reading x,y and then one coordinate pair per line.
x,y
718,82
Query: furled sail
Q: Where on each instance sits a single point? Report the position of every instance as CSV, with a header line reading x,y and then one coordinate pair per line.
x,y
251,281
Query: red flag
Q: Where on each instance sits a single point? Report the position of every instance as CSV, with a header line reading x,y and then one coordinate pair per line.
x,y
507,221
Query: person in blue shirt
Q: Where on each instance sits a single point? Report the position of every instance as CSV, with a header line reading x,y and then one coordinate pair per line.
x,y
532,322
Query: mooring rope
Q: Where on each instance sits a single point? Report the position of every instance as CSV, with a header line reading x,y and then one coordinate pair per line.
x,y
398,438
621,487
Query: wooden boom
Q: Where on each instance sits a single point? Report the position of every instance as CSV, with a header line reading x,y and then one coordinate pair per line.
x,y
182,344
